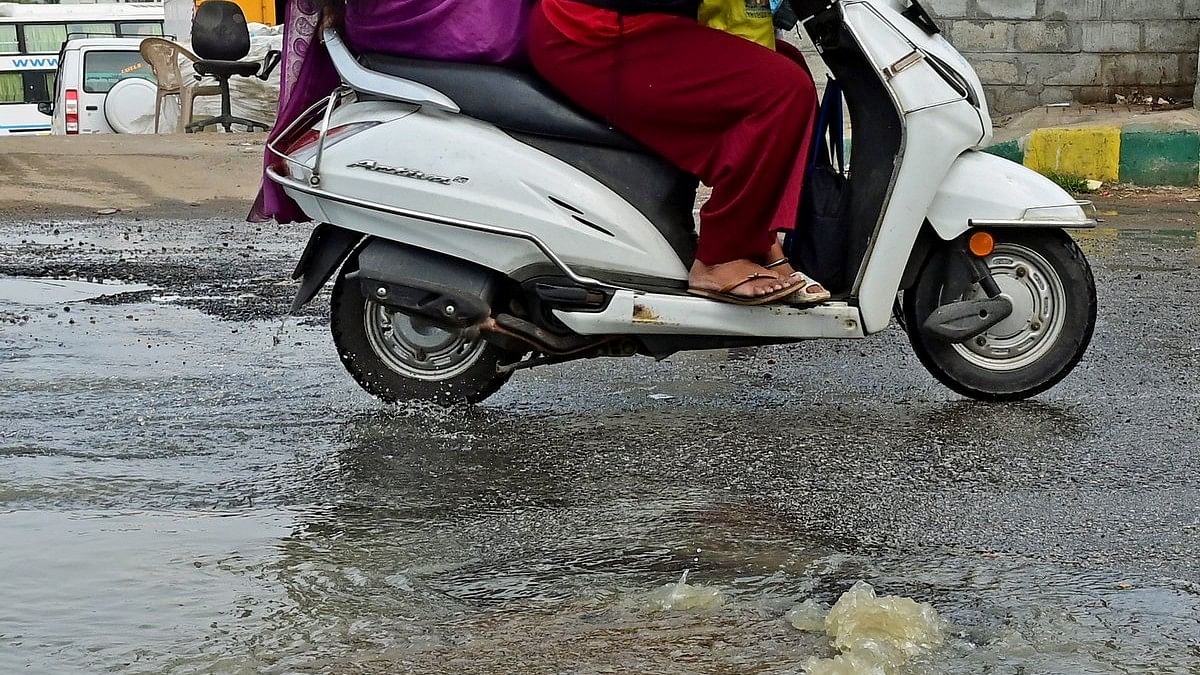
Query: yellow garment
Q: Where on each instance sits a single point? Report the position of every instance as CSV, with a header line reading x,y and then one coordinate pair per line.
x,y
750,19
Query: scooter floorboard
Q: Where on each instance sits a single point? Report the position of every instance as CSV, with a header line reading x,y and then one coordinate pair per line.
x,y
639,313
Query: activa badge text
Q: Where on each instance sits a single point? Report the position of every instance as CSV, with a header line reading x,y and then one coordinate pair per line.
x,y
372,165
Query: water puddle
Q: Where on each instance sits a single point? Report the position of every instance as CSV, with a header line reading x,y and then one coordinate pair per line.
x,y
256,512
40,292
1106,241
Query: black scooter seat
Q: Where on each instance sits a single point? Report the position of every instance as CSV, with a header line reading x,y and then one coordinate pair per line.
x,y
514,100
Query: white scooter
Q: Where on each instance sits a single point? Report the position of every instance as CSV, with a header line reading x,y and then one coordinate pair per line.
x,y
481,225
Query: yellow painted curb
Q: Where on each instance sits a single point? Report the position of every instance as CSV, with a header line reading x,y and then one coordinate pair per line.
x,y
1094,152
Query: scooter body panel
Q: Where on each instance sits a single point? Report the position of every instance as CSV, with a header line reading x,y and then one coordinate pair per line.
x,y
927,132
984,189
893,38
454,166
939,124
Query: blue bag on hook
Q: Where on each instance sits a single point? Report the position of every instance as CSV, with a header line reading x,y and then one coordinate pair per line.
x,y
818,245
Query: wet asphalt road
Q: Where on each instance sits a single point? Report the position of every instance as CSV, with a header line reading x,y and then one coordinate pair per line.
x,y
189,483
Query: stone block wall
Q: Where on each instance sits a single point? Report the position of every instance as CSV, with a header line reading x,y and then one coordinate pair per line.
x,y
1035,52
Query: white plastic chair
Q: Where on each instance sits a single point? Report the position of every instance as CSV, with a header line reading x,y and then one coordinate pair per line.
x,y
163,57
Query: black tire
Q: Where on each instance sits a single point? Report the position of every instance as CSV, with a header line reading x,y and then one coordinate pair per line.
x,y
973,369
473,379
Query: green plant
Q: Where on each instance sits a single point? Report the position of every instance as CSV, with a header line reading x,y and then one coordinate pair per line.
x,y
1072,184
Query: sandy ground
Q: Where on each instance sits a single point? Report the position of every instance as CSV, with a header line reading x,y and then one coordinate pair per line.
x,y
141,175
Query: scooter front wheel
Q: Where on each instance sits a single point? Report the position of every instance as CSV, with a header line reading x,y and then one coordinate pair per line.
x,y
398,358
1053,294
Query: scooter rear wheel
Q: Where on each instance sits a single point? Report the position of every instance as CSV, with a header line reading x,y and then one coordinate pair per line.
x,y
399,358
1053,293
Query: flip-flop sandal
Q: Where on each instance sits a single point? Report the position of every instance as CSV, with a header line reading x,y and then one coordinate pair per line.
x,y
804,295
724,295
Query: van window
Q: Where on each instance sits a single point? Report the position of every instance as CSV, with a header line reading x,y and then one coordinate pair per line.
x,y
141,28
8,39
12,88
103,69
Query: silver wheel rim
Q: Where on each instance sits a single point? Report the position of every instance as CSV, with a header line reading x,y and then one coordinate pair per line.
x,y
1039,311
418,349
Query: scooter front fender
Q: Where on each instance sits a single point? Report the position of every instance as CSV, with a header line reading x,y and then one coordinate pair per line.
x,y
983,190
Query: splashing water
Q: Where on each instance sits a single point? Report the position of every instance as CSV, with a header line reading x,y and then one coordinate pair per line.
x,y
683,596
807,616
852,663
277,338
876,635
860,620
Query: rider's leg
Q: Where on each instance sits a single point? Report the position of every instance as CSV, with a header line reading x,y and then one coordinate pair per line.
x,y
734,113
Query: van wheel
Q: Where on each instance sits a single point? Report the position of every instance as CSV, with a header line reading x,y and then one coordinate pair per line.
x,y
398,358
1053,293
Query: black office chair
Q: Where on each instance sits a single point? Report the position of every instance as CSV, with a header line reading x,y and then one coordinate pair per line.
x,y
220,38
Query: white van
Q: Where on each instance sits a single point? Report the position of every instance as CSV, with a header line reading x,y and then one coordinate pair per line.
x,y
88,68
31,37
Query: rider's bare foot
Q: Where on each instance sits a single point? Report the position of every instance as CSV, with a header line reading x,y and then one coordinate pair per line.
x,y
755,280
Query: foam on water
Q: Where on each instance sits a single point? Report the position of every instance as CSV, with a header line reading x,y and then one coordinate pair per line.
x,y
875,635
807,616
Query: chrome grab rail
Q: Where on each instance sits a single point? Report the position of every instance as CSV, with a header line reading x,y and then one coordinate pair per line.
x,y
334,98
287,131
356,78
314,191
330,102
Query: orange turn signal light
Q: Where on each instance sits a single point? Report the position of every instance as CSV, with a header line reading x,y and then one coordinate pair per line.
x,y
981,244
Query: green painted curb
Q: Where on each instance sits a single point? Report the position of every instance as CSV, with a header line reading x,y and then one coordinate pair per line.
x,y
1011,151
1148,158
1160,158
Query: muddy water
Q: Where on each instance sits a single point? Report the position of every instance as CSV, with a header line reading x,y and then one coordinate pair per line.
x,y
185,494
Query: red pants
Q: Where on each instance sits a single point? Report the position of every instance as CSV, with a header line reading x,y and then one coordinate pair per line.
x,y
737,115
